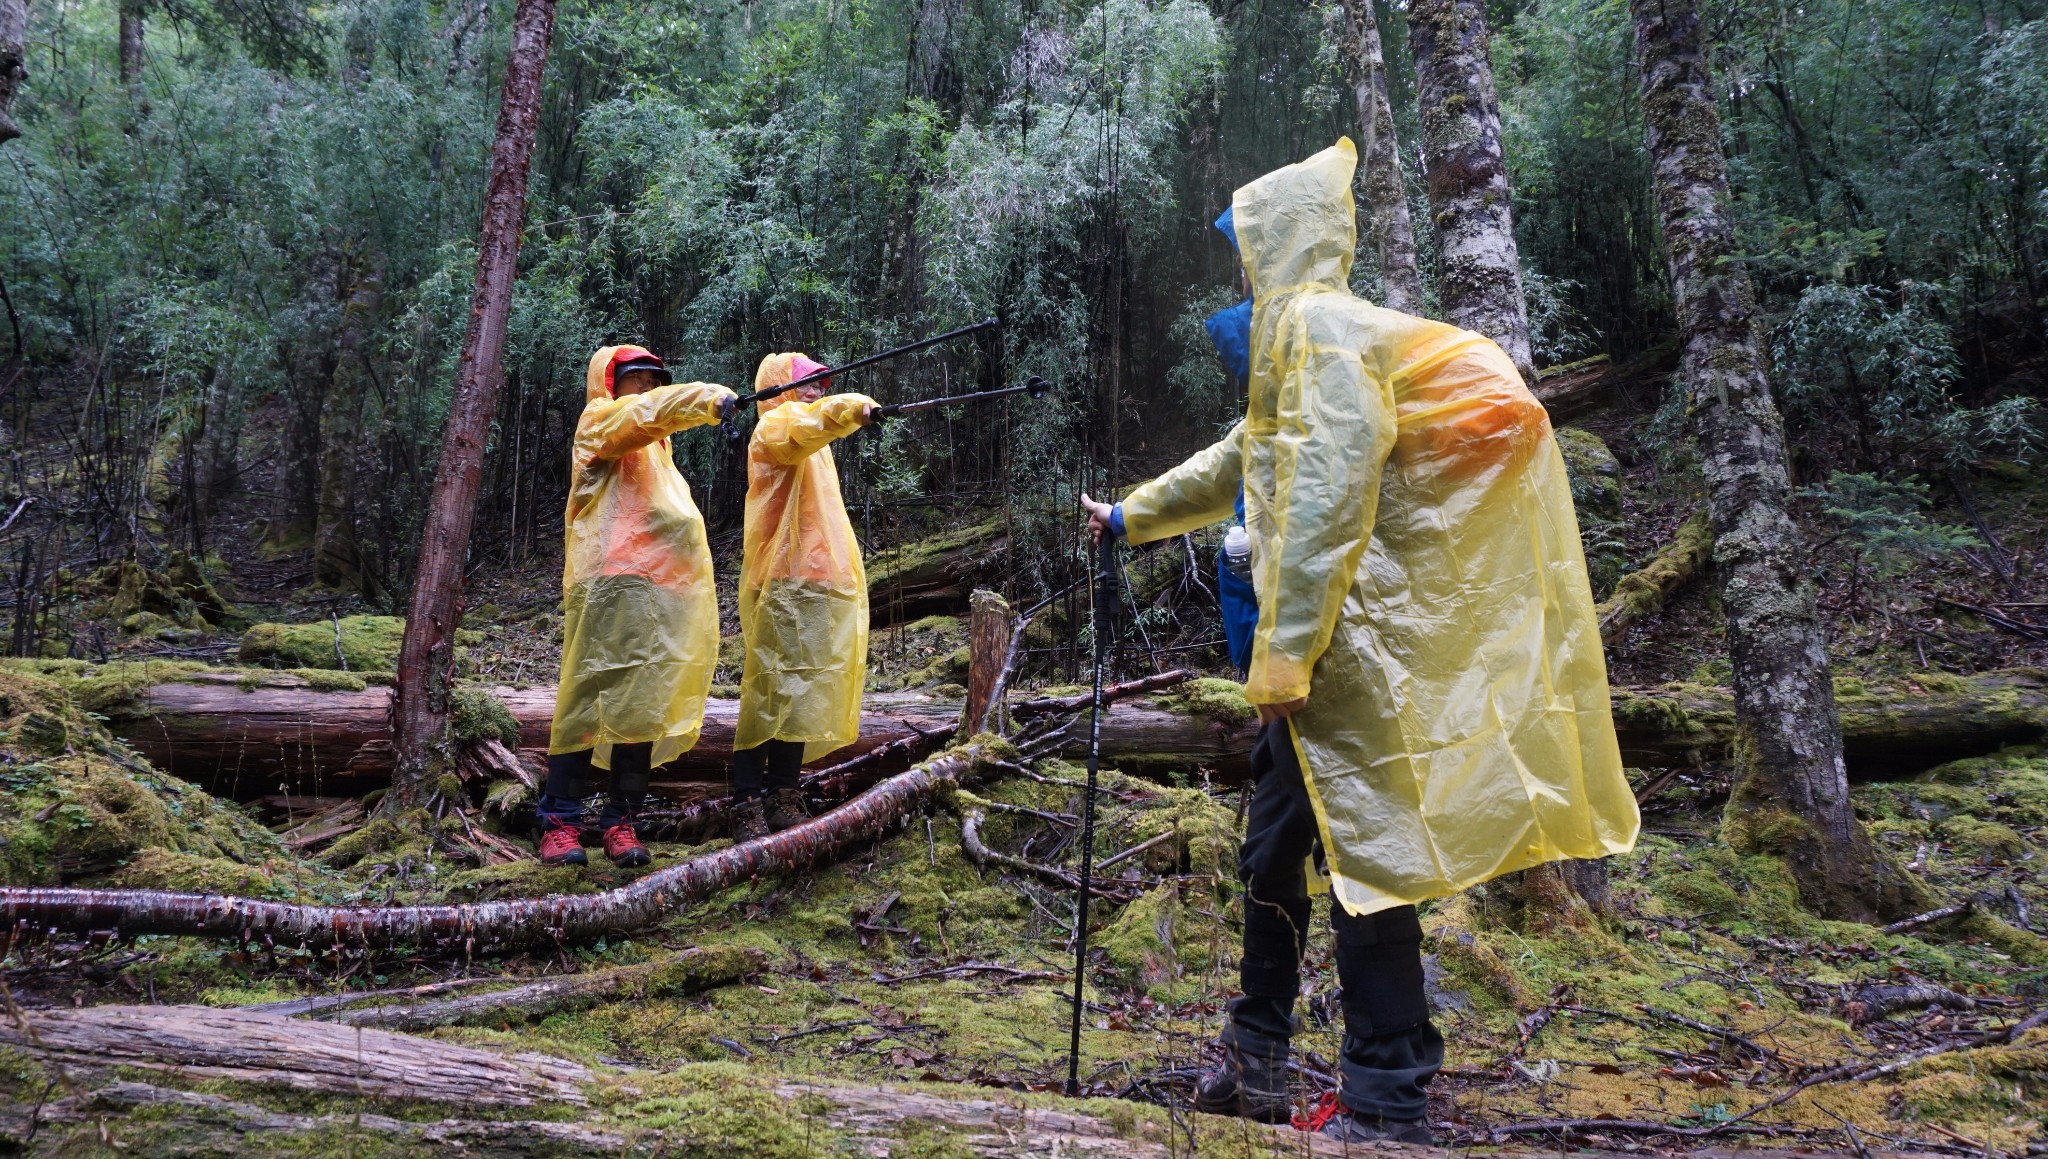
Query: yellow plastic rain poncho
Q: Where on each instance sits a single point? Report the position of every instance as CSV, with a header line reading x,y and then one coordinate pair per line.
x,y
639,611
803,591
1418,570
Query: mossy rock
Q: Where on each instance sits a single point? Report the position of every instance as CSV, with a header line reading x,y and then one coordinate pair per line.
x,y
1595,474
1145,942
920,654
144,600
367,643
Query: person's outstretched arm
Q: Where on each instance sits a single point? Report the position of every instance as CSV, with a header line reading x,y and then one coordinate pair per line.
x,y
617,428
796,430
1200,491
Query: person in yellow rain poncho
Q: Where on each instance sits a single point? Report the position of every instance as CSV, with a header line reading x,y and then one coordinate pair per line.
x,y
639,610
1426,651
803,599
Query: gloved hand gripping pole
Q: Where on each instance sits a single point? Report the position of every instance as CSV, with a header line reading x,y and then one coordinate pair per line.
x,y
1106,597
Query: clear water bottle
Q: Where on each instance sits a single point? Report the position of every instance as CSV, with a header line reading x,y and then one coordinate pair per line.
x,y
1237,552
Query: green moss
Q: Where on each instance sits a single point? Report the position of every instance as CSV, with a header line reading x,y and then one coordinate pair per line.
x,y
278,879
1144,942
477,715
519,879
912,561
368,643
720,1111
331,680
383,840
1212,699
920,654
1703,893
1984,839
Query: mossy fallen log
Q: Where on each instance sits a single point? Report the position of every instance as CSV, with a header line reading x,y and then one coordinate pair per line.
x,y
243,736
263,1049
1890,728
936,575
1643,591
691,971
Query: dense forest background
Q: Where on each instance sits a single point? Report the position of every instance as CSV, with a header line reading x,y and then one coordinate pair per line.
x,y
237,238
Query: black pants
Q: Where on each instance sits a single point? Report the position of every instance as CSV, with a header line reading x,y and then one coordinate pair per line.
x,y
1390,1049
784,760
561,796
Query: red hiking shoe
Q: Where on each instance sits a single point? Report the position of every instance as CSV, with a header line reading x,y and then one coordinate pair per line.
x,y
623,846
562,845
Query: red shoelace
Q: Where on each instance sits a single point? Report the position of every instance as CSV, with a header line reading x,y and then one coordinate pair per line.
x,y
1326,1108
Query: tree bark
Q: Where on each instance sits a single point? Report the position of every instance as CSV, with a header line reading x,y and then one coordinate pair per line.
x,y
1382,191
337,556
13,62
131,43
988,647
1791,793
1479,278
426,658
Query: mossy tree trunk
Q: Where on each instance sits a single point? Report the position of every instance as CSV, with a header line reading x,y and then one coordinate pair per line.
x,y
1382,191
1791,792
426,659
13,62
337,556
1479,278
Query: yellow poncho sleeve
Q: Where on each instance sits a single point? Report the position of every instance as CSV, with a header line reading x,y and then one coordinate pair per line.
x,y
618,428
1199,492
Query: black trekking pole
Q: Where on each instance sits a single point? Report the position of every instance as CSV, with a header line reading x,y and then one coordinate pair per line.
x,y
1036,387
767,393
1105,621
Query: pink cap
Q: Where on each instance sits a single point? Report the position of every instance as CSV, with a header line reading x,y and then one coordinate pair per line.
x,y
801,366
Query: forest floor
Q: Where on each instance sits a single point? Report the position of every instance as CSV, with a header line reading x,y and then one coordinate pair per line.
x,y
1706,1009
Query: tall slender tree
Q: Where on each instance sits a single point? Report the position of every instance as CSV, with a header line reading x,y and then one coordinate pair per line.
x,y
13,61
131,42
1479,271
426,658
1382,190
1791,793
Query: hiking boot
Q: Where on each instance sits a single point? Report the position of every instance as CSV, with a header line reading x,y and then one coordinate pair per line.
x,y
562,844
749,822
786,809
1246,1084
1351,1127
622,845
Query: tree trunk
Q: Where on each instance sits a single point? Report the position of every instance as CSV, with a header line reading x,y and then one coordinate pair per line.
x,y
1382,191
1479,279
337,557
13,62
131,43
988,647
427,657
1791,793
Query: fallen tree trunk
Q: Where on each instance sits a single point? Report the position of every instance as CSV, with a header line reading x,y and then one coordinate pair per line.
x,y
935,576
243,743
243,1046
1569,391
486,926
692,971
242,740
1646,590
1889,730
